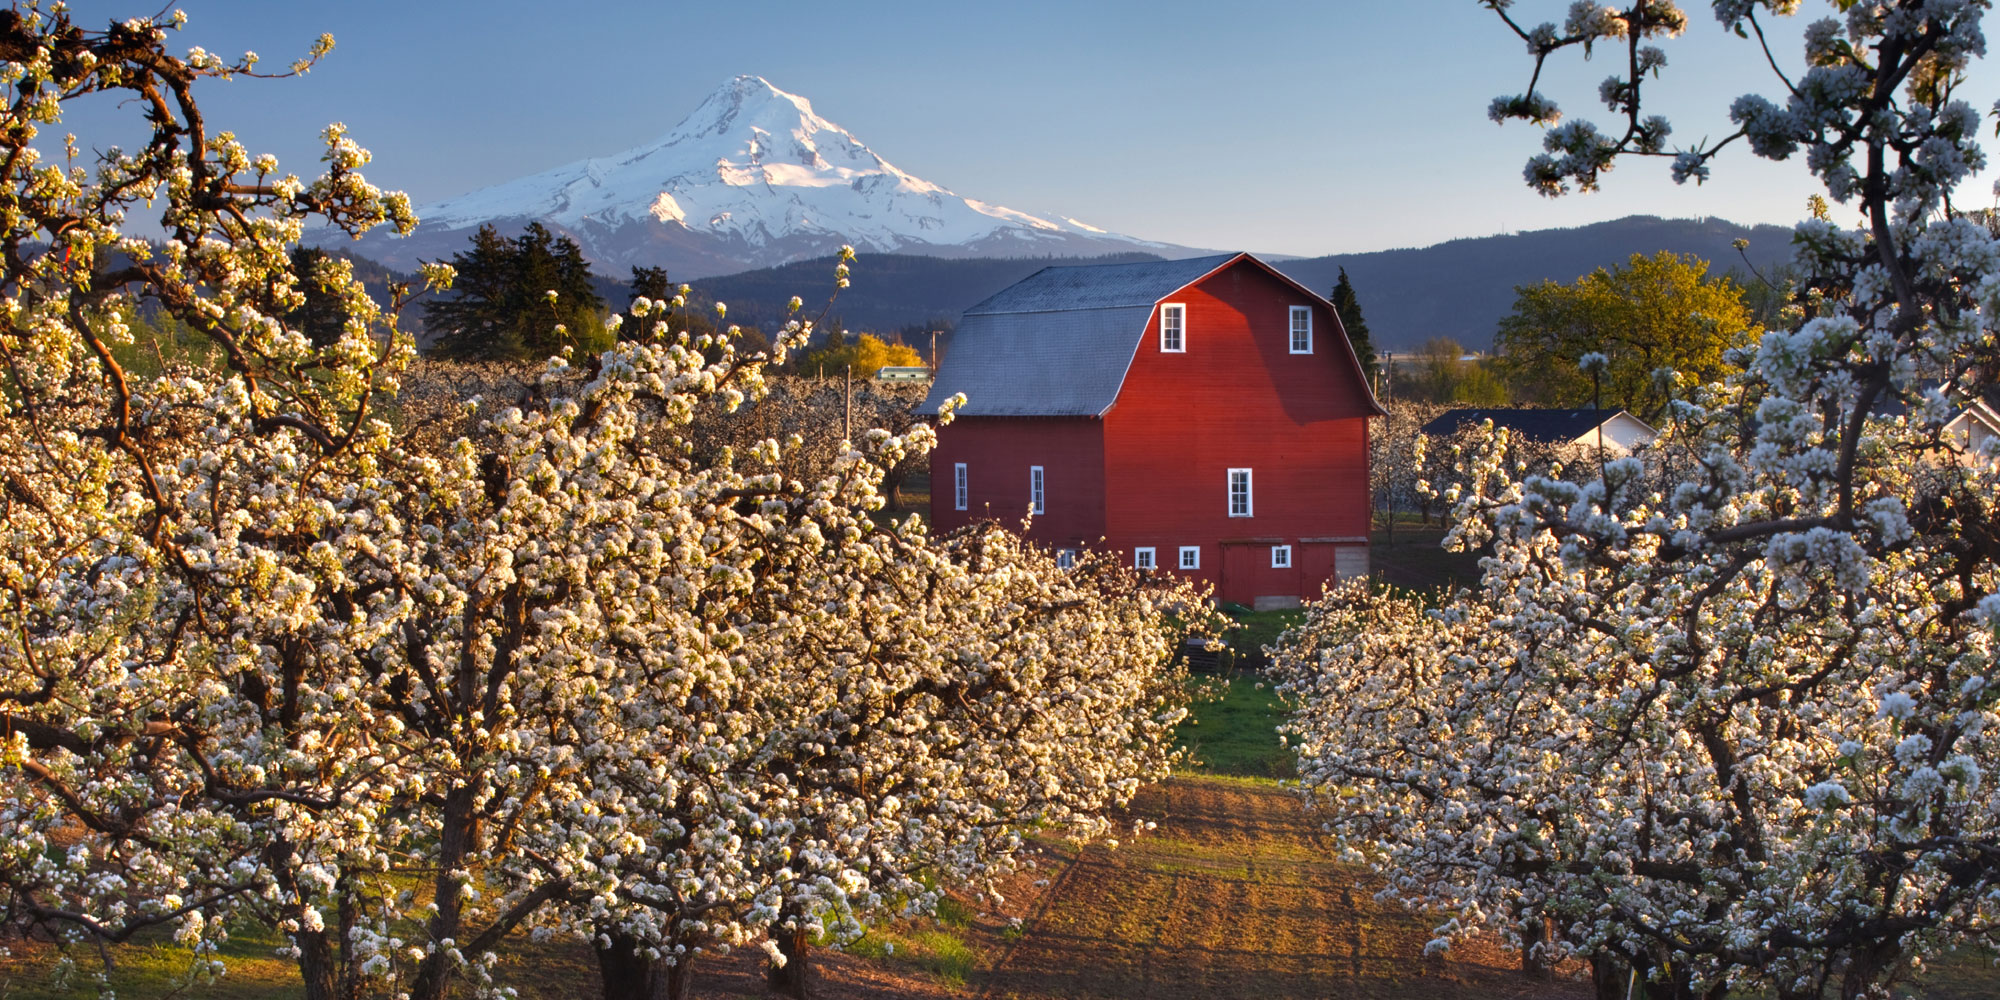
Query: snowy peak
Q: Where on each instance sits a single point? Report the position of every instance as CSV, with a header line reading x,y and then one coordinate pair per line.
x,y
754,177
758,105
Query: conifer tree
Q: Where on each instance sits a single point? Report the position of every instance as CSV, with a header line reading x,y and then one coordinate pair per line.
x,y
501,308
322,316
1348,308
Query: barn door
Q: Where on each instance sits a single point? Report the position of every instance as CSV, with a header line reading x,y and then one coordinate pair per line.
x,y
1318,563
1330,563
1249,579
1239,573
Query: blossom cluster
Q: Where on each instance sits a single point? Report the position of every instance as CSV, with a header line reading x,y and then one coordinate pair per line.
x,y
1721,714
404,661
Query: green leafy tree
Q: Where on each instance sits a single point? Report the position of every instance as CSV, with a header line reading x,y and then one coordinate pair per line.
x,y
503,309
1439,370
1348,307
1655,312
865,355
1479,386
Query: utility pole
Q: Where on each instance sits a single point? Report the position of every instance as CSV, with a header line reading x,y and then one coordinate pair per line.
x,y
933,354
847,408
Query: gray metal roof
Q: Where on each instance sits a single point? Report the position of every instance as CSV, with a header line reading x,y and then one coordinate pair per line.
x,y
1058,342
1097,286
1551,426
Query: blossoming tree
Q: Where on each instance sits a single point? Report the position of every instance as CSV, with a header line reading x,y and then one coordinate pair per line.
x,y
1721,716
267,656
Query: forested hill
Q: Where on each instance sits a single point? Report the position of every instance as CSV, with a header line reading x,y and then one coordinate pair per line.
x,y
1458,289
1461,289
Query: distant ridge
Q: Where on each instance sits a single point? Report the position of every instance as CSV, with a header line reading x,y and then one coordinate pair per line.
x,y
1458,289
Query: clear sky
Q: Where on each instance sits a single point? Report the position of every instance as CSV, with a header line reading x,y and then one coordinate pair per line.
x,y
1289,127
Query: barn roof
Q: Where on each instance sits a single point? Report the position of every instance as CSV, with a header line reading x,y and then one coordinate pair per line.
x,y
1548,426
1098,286
1058,343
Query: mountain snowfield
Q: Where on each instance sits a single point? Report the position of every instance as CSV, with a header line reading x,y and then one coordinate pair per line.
x,y
752,178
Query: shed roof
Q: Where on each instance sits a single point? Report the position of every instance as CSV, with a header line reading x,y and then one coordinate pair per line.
x,y
1058,342
1549,426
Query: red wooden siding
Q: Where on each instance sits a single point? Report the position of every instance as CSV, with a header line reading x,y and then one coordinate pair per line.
x,y
998,451
1238,398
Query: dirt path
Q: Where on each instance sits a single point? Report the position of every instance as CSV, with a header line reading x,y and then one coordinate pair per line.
x,y
1233,895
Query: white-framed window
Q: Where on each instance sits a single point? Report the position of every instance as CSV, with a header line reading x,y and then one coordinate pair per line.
x,y
1281,557
1065,558
960,495
1035,496
1190,557
1173,327
1239,493
1302,330
1142,558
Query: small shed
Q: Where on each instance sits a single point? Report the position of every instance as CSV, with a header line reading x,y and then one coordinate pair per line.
x,y
1617,430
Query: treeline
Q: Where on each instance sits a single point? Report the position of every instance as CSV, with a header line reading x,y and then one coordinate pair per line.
x,y
531,296
1652,314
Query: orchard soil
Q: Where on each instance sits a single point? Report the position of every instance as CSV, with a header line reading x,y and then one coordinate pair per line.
x,y
1231,895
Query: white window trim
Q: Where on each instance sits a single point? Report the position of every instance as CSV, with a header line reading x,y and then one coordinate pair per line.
x,y
1145,557
1190,557
1249,496
1037,492
960,494
1065,558
1180,309
1292,329
1281,557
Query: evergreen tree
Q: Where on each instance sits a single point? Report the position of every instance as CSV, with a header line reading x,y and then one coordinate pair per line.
x,y
323,317
499,307
1348,308
649,283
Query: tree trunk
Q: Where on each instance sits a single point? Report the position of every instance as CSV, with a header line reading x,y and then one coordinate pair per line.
x,y
790,978
628,974
315,953
456,830
1610,979
680,977
316,965
1536,947
1865,967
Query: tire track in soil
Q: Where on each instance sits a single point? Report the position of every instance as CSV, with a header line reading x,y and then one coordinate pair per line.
x,y
1234,895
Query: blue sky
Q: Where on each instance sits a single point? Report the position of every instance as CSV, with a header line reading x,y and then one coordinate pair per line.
x,y
1302,128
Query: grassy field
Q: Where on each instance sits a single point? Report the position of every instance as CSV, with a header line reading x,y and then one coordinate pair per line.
x,y
1239,734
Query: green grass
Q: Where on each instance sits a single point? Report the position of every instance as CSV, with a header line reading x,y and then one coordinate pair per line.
x,y
1252,632
941,951
1238,735
154,968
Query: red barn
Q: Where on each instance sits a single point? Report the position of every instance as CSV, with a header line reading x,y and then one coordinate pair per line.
x,y
1204,416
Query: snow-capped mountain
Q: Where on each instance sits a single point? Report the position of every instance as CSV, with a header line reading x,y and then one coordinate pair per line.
x,y
752,178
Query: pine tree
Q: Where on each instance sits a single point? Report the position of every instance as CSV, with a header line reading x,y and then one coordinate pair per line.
x,y
500,307
1348,308
323,316
647,283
